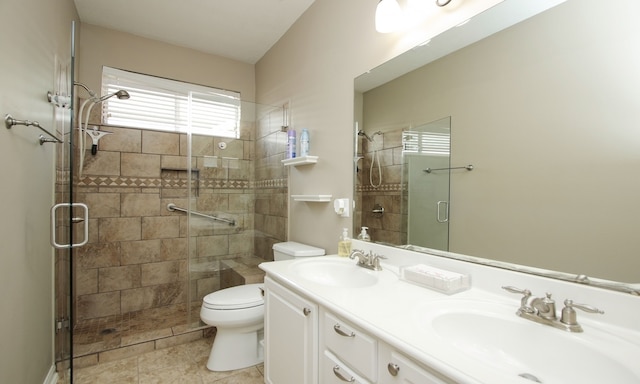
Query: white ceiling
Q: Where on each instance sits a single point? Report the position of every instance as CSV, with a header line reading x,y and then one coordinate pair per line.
x,y
243,30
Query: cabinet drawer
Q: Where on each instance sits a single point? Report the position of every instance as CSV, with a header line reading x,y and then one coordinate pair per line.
x,y
354,347
398,369
334,371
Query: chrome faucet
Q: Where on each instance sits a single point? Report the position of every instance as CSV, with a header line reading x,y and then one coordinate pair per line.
x,y
543,310
545,307
369,261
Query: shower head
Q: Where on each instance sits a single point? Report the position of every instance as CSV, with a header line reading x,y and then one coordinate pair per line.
x,y
370,138
363,133
121,94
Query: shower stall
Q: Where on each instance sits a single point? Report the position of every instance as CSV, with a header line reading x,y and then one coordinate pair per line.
x,y
402,184
172,217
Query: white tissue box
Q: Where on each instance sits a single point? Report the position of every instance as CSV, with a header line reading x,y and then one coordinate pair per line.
x,y
435,278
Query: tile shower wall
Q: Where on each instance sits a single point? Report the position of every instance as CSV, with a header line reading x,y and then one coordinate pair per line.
x,y
386,227
137,255
271,210
142,258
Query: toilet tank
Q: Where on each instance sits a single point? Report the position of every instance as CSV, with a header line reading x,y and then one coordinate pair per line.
x,y
291,249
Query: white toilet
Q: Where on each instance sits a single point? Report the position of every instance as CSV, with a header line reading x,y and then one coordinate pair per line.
x,y
238,315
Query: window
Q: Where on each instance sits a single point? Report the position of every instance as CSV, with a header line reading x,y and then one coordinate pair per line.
x,y
169,105
426,143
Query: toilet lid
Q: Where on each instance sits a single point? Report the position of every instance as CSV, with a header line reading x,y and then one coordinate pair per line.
x,y
241,296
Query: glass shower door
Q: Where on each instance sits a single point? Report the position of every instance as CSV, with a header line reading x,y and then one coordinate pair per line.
x,y
65,219
426,153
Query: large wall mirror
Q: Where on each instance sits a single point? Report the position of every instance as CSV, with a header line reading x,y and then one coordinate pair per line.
x,y
547,112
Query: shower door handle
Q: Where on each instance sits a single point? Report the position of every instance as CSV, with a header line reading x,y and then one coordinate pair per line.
x,y
84,220
439,205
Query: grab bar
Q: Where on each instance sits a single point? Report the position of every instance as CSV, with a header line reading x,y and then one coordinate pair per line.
x,y
467,167
172,207
10,122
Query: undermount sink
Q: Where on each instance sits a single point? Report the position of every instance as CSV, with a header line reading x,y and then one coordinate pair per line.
x,y
334,272
491,334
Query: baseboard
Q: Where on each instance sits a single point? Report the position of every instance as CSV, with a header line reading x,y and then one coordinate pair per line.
x,y
52,376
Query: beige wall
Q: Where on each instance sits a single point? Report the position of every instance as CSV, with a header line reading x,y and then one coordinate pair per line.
x,y
100,46
551,185
313,66
32,34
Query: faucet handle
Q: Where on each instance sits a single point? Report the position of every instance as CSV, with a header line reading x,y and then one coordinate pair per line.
x,y
524,302
375,261
569,314
511,289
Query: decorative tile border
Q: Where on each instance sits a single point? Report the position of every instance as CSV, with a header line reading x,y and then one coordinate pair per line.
x,y
382,188
153,182
117,181
273,183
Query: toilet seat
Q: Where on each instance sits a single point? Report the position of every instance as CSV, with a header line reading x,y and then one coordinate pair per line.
x,y
239,297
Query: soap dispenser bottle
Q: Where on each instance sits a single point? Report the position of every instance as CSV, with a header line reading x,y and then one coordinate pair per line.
x,y
344,245
304,143
364,236
291,144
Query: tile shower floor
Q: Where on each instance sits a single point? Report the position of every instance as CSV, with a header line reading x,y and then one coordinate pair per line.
x,y
118,331
181,364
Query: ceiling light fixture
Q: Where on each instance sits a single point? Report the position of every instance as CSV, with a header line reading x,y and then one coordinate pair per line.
x,y
389,14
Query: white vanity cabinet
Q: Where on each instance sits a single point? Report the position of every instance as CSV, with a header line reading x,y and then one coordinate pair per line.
x,y
306,343
291,336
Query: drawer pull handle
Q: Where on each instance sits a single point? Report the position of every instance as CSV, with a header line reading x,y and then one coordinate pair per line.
x,y
306,311
339,375
340,332
393,369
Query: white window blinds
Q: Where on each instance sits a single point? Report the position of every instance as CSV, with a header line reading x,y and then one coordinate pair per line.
x,y
169,105
427,143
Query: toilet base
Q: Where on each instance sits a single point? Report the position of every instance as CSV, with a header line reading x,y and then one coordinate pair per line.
x,y
232,351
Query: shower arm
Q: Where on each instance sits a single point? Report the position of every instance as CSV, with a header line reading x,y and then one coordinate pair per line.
x,y
89,91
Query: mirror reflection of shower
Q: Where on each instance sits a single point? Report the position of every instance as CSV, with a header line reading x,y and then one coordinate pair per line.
x,y
427,146
374,157
95,134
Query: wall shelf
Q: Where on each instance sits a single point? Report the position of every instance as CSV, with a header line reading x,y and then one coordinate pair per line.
x,y
312,198
296,161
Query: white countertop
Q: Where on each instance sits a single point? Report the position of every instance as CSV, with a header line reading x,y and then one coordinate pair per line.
x,y
393,311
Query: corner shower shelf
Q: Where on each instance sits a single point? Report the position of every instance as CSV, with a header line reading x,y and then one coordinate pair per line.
x,y
312,198
300,161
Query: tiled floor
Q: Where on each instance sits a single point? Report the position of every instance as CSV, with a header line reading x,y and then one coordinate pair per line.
x,y
182,364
